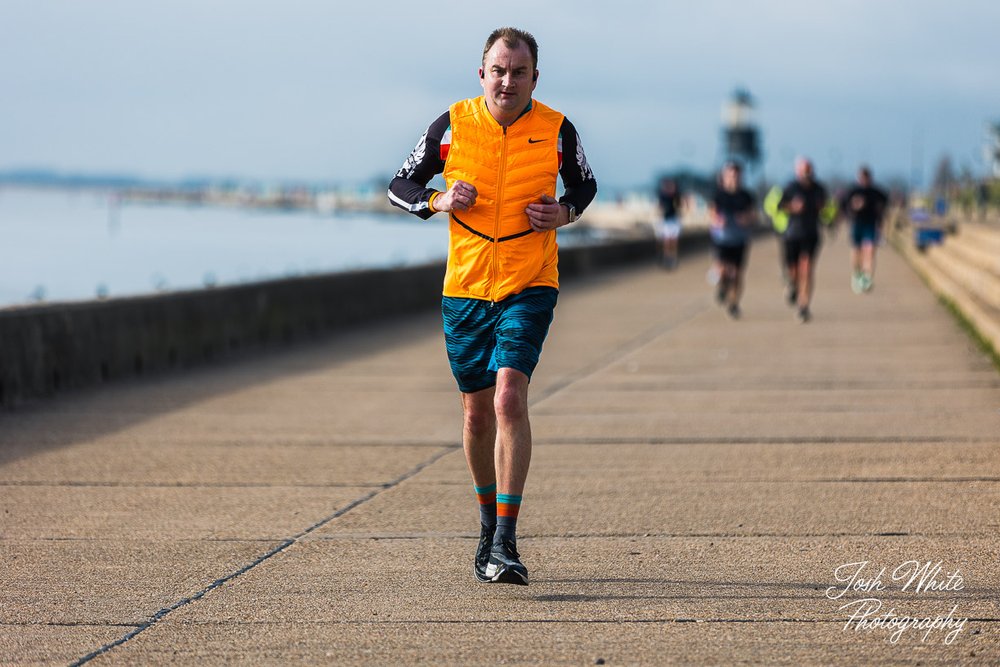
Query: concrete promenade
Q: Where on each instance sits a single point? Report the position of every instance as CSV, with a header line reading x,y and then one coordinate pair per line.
x,y
695,486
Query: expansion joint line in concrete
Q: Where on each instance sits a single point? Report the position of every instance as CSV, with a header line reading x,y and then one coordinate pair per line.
x,y
569,621
618,621
180,485
284,545
763,440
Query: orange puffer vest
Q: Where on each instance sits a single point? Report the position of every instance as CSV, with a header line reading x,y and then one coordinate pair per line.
x,y
493,252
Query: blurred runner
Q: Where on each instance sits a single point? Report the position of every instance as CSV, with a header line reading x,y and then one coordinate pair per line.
x,y
802,199
669,230
865,205
732,210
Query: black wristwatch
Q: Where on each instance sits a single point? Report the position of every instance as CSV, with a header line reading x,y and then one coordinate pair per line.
x,y
571,210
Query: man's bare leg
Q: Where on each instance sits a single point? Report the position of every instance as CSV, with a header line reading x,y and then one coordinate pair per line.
x,y
479,434
513,431
512,456
805,286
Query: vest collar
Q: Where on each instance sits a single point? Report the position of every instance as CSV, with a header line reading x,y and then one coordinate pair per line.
x,y
519,116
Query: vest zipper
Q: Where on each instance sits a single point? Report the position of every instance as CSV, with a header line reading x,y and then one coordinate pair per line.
x,y
501,177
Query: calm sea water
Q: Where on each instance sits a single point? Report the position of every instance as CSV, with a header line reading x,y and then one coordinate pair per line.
x,y
73,245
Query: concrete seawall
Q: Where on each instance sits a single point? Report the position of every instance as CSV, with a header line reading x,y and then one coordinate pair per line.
x,y
52,348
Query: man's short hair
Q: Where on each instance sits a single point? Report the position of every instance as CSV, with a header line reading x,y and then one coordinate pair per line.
x,y
512,37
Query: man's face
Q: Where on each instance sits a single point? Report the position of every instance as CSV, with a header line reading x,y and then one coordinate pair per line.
x,y
508,80
803,171
730,178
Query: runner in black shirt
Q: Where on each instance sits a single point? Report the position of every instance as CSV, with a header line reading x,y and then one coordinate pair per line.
x,y
732,211
669,230
802,199
865,205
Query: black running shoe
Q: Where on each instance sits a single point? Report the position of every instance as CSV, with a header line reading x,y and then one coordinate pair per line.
x,y
722,291
505,566
793,295
483,553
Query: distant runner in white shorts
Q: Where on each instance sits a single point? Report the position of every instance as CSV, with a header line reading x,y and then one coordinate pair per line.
x,y
669,230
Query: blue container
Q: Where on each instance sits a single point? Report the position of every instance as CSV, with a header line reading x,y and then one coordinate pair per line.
x,y
925,236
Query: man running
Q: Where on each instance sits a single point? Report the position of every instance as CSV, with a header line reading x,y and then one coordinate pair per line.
x,y
865,205
732,212
802,200
669,230
501,154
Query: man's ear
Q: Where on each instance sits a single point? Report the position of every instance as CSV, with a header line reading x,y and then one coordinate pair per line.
x,y
481,73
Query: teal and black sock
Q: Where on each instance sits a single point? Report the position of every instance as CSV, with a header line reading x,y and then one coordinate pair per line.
x,y
487,496
507,508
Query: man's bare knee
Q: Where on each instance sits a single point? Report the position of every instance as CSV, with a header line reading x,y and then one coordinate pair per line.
x,y
478,413
510,407
511,399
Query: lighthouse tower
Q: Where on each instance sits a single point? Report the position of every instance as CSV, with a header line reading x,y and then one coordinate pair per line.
x,y
740,135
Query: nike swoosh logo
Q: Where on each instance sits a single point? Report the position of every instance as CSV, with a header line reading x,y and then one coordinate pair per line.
x,y
534,141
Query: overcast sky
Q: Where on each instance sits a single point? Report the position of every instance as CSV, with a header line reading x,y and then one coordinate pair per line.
x,y
340,91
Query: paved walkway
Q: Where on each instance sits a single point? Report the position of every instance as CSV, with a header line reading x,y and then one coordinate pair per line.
x,y
696,484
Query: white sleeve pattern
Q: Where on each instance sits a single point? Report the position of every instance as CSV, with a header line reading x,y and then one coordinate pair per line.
x,y
581,160
415,157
